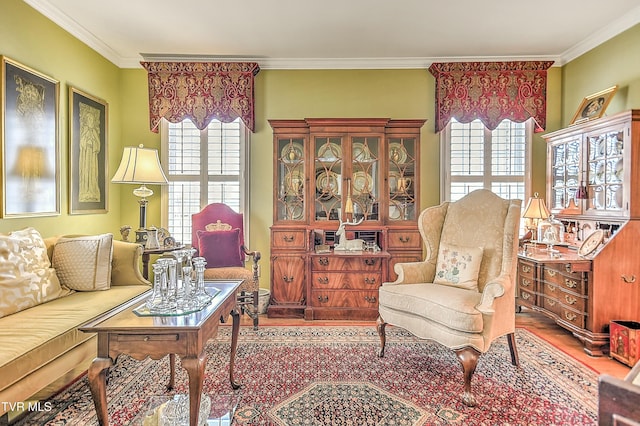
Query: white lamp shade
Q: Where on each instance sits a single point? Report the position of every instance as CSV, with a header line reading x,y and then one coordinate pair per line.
x,y
536,208
140,165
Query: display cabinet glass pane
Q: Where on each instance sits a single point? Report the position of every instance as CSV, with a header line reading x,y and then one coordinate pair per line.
x,y
606,171
290,202
364,185
401,179
328,161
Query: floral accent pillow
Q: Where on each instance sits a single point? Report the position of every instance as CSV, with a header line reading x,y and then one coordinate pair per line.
x,y
458,266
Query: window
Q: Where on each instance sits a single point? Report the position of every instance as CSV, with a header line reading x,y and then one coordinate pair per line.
x,y
203,167
474,157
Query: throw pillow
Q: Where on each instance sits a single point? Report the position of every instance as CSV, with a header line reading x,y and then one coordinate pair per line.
x,y
26,276
458,266
84,263
220,248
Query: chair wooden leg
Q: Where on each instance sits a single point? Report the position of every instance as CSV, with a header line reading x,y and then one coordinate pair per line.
x,y
381,325
255,310
468,357
511,339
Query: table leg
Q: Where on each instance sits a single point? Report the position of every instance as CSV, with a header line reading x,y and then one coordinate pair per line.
x,y
145,265
98,383
195,369
172,372
235,329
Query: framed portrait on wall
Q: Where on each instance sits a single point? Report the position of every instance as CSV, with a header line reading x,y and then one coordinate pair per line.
x,y
30,147
88,156
594,106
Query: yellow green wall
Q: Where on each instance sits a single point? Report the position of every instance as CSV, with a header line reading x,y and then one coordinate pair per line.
x,y
279,94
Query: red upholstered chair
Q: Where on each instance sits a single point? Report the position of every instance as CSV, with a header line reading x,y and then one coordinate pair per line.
x,y
217,233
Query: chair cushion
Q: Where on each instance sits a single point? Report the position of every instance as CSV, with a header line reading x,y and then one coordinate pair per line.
x,y
26,276
452,307
84,263
220,248
458,266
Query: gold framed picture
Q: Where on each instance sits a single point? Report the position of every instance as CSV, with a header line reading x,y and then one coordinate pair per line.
x,y
593,106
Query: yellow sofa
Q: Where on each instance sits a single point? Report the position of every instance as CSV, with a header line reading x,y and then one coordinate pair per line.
x,y
41,348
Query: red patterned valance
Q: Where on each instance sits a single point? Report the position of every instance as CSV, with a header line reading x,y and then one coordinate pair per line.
x,y
491,91
201,91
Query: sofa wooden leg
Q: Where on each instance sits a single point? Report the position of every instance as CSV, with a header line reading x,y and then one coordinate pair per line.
x,y
383,337
511,339
468,357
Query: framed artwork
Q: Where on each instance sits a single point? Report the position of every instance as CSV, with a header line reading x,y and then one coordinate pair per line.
x,y
593,106
30,148
88,156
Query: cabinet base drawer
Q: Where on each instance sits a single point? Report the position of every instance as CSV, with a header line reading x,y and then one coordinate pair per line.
x,y
344,299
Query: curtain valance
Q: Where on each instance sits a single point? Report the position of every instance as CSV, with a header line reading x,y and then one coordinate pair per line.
x,y
491,92
201,91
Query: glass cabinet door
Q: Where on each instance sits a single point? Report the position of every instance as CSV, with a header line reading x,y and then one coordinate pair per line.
x,y
565,175
328,164
401,179
605,172
290,202
363,187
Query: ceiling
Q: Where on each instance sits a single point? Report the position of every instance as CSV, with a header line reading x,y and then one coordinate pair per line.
x,y
299,34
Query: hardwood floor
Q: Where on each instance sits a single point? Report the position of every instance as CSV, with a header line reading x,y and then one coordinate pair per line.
x,y
533,321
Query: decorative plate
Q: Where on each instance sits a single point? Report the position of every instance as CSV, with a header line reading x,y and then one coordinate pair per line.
x,y
362,183
361,152
329,152
326,184
394,212
291,152
397,153
591,243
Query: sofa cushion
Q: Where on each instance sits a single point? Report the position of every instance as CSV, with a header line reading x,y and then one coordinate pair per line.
x,y
458,266
220,248
84,263
26,276
36,336
452,307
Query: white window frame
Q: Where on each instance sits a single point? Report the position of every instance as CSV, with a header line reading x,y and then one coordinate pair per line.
x,y
488,179
204,179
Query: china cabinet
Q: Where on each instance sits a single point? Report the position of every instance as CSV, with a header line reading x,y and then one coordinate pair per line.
x,y
595,279
360,173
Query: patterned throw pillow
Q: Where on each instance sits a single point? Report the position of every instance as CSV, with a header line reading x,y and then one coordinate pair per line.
x,y
458,266
26,276
84,263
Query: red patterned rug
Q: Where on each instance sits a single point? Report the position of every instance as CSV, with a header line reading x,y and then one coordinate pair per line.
x,y
322,375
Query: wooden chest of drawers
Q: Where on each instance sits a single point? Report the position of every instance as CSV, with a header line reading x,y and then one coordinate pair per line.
x,y
345,286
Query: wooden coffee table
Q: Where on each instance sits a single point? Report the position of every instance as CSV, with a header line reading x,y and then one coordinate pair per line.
x,y
121,331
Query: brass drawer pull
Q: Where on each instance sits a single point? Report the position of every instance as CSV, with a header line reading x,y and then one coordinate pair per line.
x,y
551,272
323,299
526,282
526,296
551,288
570,300
371,299
368,280
287,279
551,302
526,269
370,261
404,239
324,261
570,283
629,279
570,316
288,238
323,280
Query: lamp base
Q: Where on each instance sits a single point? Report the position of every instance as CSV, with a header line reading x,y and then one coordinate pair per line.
x,y
141,237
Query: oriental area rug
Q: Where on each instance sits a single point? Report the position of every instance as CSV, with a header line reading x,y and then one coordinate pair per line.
x,y
332,375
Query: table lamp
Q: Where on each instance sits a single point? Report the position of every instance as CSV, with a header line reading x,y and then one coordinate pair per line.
x,y
535,211
140,165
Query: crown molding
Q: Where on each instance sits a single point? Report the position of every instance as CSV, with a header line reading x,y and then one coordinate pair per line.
x,y
599,37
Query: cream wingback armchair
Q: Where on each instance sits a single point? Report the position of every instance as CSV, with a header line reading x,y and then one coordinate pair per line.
x,y
462,295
